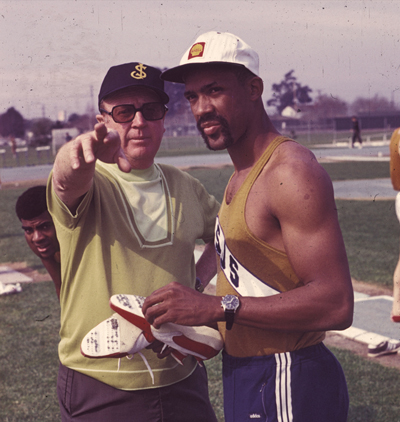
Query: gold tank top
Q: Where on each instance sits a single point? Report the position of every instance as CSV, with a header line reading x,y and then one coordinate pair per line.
x,y
249,266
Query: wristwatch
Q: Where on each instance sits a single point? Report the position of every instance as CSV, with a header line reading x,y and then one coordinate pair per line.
x,y
230,304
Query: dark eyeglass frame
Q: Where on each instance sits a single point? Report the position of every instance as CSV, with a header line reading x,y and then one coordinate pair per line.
x,y
135,110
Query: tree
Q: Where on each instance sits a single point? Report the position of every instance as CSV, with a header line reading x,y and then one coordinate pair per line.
x,y
374,105
82,122
40,129
12,124
327,106
289,92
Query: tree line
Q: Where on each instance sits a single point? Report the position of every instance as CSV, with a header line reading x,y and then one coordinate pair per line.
x,y
289,92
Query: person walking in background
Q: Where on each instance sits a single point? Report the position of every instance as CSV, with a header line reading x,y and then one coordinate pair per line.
x,y
283,276
39,230
356,137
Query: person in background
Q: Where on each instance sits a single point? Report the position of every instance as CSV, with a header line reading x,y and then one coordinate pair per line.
x,y
283,276
387,347
395,178
39,230
356,137
126,226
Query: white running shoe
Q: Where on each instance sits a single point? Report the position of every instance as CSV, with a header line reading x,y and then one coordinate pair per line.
x,y
201,342
113,338
383,348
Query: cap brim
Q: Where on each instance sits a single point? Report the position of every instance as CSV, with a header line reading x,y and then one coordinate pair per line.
x,y
177,73
163,96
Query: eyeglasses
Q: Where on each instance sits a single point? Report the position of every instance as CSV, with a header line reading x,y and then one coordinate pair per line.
x,y
125,113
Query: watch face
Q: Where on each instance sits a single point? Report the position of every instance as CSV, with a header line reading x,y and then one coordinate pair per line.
x,y
231,302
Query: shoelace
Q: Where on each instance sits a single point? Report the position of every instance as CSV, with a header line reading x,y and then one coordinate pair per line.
x,y
145,362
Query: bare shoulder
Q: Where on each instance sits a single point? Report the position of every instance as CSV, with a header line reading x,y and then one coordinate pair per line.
x,y
294,179
291,153
293,166
293,193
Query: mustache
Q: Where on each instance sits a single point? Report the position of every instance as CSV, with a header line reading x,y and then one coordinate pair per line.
x,y
211,117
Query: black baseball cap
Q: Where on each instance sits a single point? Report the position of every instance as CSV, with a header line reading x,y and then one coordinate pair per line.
x,y
133,74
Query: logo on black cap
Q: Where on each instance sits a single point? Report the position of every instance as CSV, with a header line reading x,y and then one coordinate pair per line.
x,y
139,74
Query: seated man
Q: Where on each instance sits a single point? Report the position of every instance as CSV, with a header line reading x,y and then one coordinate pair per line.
x,y
40,233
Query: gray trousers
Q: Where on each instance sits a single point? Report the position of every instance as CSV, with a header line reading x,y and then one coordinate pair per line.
x,y
85,399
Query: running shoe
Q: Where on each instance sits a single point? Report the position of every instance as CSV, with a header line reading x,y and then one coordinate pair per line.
x,y
201,342
113,338
383,348
130,308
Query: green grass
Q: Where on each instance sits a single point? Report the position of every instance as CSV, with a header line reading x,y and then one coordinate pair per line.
x,y
357,170
371,235
373,389
29,324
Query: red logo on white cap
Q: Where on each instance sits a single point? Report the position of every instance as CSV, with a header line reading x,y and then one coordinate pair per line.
x,y
197,50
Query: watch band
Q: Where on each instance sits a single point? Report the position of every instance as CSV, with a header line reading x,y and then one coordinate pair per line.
x,y
229,318
230,304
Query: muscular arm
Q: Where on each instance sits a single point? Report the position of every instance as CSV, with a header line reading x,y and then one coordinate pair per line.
x,y
304,207
75,163
297,213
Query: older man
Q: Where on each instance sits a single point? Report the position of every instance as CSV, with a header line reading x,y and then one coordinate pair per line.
x,y
126,226
283,277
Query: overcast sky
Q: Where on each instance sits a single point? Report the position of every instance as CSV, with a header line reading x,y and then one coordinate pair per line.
x,y
53,52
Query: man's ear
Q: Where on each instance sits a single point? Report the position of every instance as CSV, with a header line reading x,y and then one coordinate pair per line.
x,y
100,118
256,87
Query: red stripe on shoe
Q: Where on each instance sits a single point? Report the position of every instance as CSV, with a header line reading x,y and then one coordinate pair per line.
x,y
200,348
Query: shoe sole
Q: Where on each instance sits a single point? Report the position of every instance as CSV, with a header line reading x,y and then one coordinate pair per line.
x,y
110,339
130,308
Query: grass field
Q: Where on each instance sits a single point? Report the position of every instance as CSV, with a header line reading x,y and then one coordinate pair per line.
x,y
29,324
29,321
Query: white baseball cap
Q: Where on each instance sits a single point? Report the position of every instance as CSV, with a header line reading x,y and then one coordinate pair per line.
x,y
214,47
